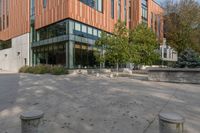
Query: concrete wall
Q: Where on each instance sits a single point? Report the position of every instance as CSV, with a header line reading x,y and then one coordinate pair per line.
x,y
13,58
174,75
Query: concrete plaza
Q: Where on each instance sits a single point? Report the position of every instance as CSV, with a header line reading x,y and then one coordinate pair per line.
x,y
87,104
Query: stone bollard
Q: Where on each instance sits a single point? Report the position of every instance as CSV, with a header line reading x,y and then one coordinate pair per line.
x,y
30,121
111,75
98,75
171,123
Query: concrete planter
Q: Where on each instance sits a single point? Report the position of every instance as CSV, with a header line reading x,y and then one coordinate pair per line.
x,y
175,75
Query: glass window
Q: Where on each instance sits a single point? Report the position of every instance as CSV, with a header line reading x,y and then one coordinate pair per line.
x,y
95,32
99,33
152,20
77,26
96,4
144,2
129,10
84,28
112,9
100,5
5,44
125,14
44,3
144,11
119,9
90,31
54,30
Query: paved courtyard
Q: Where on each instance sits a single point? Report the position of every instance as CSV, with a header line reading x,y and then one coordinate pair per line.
x,y
87,104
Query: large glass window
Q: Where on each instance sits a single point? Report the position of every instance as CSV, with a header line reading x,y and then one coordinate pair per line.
x,y
54,54
77,26
53,30
84,28
125,11
119,9
44,3
100,5
144,11
4,12
96,4
32,7
95,32
129,9
112,9
5,44
85,31
90,31
159,27
85,56
1,15
152,18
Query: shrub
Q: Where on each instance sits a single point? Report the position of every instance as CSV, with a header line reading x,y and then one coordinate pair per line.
x,y
24,69
58,70
43,69
188,59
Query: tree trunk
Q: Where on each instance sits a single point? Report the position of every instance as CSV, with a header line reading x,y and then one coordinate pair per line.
x,y
117,69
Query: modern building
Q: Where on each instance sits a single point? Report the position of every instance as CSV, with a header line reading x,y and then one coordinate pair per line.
x,y
64,32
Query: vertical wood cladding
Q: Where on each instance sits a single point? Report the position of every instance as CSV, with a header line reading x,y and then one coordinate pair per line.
x,y
153,7
57,10
157,11
16,18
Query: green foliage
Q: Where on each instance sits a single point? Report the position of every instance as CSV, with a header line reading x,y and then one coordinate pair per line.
x,y
40,69
182,24
188,59
58,70
124,46
115,46
24,69
143,45
44,69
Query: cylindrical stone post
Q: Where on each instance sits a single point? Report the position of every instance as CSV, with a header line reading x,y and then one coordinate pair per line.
x,y
111,75
171,123
98,75
30,121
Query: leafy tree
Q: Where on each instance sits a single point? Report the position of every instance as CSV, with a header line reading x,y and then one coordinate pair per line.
x,y
143,45
115,46
182,24
137,46
188,58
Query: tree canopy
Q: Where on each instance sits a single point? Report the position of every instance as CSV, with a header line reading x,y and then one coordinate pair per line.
x,y
143,44
182,24
123,46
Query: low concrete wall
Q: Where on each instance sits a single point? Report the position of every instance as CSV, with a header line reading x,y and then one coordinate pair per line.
x,y
174,75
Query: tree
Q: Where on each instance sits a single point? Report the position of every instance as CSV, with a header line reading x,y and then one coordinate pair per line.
x,y
123,46
182,24
143,45
115,46
188,58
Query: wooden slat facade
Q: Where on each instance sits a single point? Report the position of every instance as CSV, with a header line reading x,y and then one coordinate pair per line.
x,y
57,10
18,19
136,13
